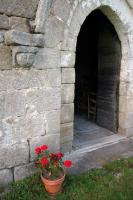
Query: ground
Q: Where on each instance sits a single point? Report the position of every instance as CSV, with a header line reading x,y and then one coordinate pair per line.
x,y
113,182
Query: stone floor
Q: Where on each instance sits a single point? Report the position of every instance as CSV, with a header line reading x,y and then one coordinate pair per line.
x,y
87,133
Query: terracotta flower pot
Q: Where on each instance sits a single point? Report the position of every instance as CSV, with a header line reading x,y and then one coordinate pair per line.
x,y
53,187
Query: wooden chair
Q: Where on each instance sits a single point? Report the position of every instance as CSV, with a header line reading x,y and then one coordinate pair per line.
x,y
92,106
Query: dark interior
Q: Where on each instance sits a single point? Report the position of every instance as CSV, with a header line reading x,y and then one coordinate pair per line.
x,y
98,60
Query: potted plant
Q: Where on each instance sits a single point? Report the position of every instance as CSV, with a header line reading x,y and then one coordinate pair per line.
x,y
52,169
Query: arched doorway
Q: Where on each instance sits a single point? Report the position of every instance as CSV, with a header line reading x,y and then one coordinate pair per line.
x,y
97,67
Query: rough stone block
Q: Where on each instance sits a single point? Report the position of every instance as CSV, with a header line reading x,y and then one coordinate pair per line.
x,y
15,103
125,104
129,132
52,77
26,79
5,57
21,8
122,121
66,147
23,171
1,37
53,142
19,23
68,75
53,31
67,59
130,76
2,104
123,89
69,43
2,134
125,120
67,113
128,89
31,125
14,154
14,129
130,120
52,122
67,93
14,37
4,22
44,99
66,132
61,8
6,177
20,79
47,58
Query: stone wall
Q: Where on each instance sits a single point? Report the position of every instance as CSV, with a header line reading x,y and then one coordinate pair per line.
x,y
37,56
30,90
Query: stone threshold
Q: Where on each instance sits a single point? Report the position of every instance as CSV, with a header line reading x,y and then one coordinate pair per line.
x,y
99,143
97,155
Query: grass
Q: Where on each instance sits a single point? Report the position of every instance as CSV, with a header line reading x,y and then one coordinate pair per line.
x,y
113,182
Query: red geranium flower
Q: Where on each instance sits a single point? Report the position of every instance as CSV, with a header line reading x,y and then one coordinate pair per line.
x,y
38,150
44,147
67,163
52,155
44,161
60,155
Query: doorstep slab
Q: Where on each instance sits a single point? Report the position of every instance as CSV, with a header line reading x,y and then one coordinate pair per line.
x,y
96,156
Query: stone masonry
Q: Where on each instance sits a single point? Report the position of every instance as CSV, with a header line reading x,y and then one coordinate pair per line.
x,y
37,56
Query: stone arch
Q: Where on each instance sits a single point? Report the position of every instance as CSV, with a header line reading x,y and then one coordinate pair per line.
x,y
121,17
61,50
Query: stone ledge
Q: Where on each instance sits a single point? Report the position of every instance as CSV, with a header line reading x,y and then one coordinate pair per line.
x,y
14,37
